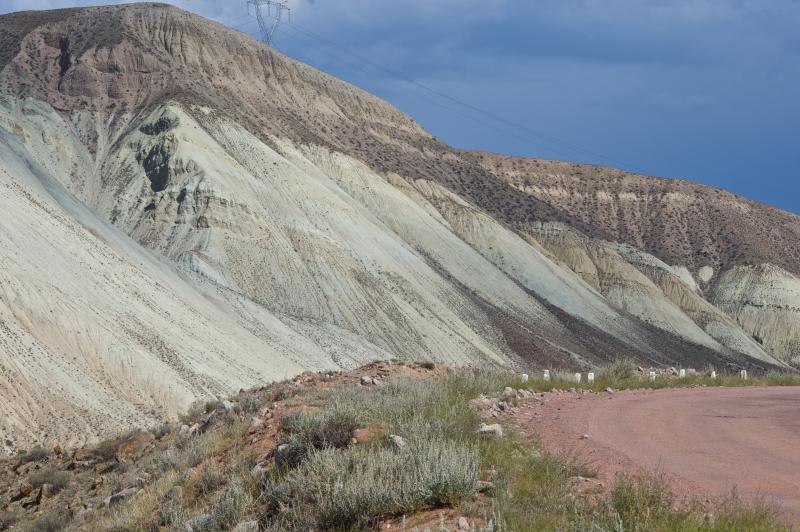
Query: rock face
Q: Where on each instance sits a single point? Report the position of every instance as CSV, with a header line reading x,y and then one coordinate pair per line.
x,y
187,212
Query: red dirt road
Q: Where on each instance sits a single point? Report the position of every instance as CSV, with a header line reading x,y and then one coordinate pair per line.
x,y
706,441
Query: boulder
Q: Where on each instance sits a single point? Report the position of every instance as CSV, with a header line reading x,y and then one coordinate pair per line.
x,y
83,454
259,468
134,447
398,442
494,430
255,425
366,435
120,496
34,500
280,451
25,489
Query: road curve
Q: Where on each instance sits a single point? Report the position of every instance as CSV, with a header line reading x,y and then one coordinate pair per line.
x,y
713,440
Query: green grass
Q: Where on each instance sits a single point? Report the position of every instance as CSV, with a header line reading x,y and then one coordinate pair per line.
x,y
619,377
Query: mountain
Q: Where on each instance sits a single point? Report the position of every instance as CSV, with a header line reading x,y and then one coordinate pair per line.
x,y
188,212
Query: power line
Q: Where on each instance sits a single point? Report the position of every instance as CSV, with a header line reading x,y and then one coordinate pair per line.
x,y
523,133
552,139
451,109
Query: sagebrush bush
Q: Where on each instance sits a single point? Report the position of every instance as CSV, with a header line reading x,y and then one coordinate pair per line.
x,y
194,412
8,519
250,404
348,487
231,505
306,432
49,522
37,454
57,480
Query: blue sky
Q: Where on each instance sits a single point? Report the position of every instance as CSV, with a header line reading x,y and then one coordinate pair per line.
x,y
707,90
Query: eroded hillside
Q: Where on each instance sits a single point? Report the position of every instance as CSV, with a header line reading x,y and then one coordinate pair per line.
x,y
215,214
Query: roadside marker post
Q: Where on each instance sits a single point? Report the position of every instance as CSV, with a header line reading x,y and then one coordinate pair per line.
x,y
524,377
683,374
547,374
652,376
590,378
578,378
713,374
744,374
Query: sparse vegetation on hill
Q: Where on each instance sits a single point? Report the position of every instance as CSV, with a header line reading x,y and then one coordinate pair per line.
x,y
395,444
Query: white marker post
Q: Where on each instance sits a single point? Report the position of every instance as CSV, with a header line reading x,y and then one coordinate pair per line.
x,y
714,375
524,377
590,378
652,376
547,374
683,374
744,374
578,378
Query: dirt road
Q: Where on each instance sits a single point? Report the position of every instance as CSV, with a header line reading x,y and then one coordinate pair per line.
x,y
706,441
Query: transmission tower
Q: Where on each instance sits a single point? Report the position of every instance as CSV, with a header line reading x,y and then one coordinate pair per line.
x,y
271,18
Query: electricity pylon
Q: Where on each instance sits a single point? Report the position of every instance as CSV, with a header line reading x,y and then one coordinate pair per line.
x,y
275,11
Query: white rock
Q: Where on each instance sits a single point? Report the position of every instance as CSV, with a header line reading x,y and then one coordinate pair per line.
x,y
398,442
490,430
255,425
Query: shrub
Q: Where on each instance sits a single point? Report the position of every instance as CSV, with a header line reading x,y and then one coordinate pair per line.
x,y
209,479
162,430
353,487
210,406
197,449
58,480
620,370
7,520
250,404
194,411
234,502
49,522
37,454
332,428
